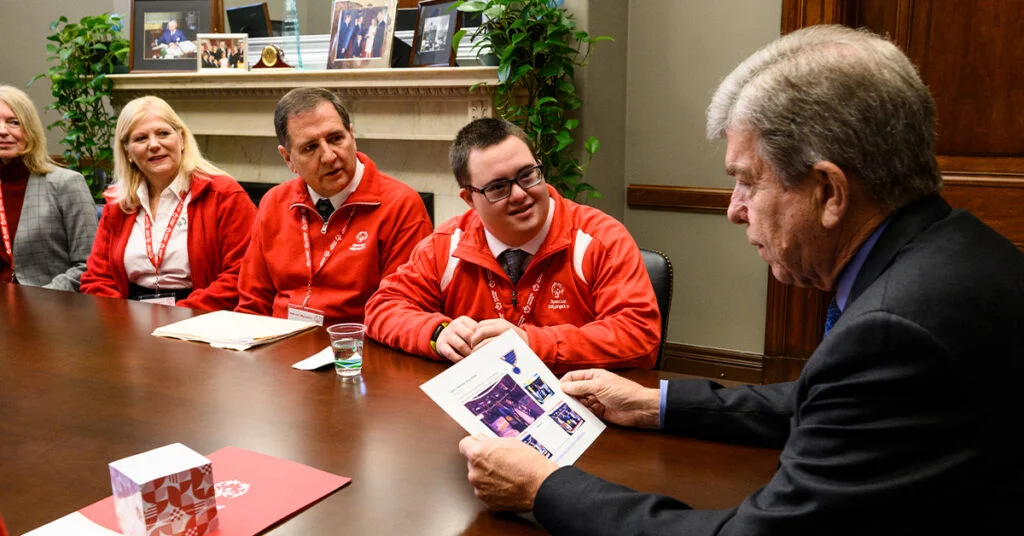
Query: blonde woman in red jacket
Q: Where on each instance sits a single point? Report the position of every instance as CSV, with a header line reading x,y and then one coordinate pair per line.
x,y
175,227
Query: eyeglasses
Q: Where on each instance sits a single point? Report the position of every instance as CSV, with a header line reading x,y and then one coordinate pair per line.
x,y
499,189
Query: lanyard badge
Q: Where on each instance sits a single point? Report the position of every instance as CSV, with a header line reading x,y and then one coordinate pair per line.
x,y
528,307
304,312
156,259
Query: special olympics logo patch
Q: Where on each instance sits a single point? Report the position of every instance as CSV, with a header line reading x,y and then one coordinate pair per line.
x,y
231,489
362,236
557,290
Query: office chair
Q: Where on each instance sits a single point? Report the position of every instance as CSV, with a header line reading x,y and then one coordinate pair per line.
x,y
659,268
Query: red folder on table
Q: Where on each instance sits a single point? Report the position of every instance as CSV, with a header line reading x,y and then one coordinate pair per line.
x,y
254,491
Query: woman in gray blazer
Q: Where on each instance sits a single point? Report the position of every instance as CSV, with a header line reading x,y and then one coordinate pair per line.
x,y
47,215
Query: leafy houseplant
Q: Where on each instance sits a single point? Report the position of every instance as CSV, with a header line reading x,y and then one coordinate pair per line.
x,y
538,48
85,53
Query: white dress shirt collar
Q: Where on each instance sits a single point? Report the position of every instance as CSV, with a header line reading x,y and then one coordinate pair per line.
x,y
179,188
532,246
339,198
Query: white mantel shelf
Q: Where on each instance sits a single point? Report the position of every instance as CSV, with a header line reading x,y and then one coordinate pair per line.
x,y
386,104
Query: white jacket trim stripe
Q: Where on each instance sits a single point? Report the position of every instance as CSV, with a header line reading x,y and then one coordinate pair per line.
x,y
579,250
449,269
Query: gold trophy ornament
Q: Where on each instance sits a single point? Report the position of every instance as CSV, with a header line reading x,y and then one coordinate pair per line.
x,y
272,57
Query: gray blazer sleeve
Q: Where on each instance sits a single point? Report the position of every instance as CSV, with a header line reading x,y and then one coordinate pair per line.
x,y
56,230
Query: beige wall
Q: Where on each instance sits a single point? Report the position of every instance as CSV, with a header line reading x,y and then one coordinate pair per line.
x,y
24,26
603,88
678,53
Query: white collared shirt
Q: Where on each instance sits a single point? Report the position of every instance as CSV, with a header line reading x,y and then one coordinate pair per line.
x,y
532,246
175,272
339,198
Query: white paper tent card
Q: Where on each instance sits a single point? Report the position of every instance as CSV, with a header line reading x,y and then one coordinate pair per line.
x,y
505,390
168,490
231,330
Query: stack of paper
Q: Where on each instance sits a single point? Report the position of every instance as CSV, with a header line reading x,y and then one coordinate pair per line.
x,y
231,330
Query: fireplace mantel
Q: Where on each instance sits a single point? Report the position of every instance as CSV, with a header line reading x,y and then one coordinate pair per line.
x,y
386,104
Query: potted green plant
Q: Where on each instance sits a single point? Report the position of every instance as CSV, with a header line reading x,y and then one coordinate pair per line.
x,y
85,53
537,48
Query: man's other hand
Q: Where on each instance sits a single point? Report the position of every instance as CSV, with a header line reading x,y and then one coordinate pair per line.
x,y
614,398
505,474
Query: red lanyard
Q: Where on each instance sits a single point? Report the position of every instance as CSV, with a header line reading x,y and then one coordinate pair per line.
x,y
158,259
6,232
528,308
326,255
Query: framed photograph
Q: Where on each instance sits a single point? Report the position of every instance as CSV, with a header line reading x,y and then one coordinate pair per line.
x,y
223,52
164,32
253,19
432,40
361,34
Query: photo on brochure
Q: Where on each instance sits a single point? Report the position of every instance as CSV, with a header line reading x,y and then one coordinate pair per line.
x,y
539,390
505,408
568,419
531,441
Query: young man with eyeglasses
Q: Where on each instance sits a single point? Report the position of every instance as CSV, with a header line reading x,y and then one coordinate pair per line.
x,y
567,278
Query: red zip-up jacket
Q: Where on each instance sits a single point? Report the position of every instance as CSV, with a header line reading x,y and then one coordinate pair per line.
x,y
594,306
385,218
220,216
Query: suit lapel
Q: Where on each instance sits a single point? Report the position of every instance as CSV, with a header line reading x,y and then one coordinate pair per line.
x,y
908,222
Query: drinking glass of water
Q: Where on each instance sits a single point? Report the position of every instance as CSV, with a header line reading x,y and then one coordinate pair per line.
x,y
347,343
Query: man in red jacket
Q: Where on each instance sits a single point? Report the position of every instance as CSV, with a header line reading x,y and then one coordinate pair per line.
x,y
322,242
567,278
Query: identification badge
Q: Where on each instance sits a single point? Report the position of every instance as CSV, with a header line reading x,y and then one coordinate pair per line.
x,y
305,314
160,298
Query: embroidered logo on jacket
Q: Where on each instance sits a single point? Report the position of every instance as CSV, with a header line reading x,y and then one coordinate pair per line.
x,y
557,293
360,244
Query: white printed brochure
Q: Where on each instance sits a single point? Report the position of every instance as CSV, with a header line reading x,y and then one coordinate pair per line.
x,y
504,390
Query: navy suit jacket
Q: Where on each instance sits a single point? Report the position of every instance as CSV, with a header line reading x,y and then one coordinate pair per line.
x,y
902,421
168,37
344,34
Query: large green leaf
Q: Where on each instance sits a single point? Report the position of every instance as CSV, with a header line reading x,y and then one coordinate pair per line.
x,y
472,7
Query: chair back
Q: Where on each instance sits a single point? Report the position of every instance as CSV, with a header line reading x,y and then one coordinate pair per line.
x,y
659,268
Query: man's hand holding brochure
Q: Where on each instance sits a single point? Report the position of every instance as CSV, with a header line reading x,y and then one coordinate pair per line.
x,y
510,402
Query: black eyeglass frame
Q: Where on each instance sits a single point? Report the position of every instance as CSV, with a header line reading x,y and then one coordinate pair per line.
x,y
501,183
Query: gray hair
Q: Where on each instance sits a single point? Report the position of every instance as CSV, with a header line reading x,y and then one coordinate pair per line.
x,y
301,100
836,94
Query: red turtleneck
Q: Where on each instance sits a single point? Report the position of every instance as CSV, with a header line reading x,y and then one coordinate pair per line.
x,y
13,179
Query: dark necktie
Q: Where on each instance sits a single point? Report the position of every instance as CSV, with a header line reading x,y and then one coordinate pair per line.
x,y
513,261
325,208
833,315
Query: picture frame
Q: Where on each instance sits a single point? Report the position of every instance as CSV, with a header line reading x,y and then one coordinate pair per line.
x,y
252,19
223,52
356,44
436,25
163,32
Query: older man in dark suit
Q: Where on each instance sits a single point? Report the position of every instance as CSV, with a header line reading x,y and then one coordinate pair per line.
x,y
901,422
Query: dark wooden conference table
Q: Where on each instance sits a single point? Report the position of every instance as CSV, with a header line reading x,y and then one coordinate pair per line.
x,y
83,383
